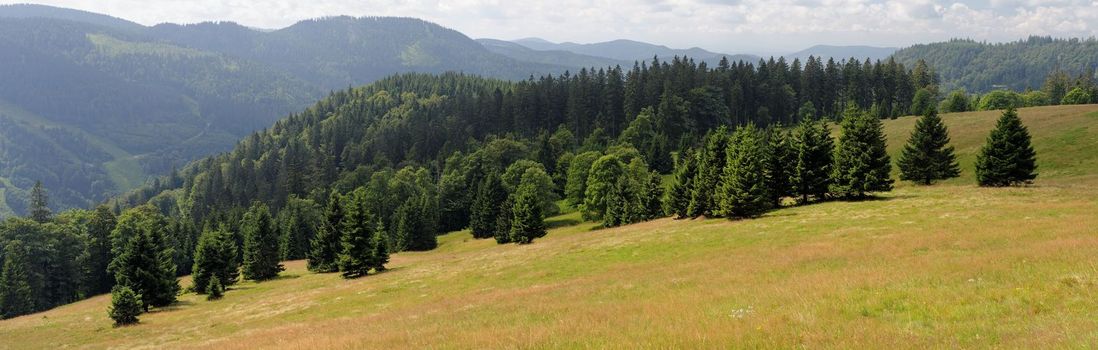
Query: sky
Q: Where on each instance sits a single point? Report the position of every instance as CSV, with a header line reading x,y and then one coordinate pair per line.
x,y
728,26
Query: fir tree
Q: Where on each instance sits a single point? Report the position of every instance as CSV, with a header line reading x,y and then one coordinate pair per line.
x,y
811,154
98,251
503,221
711,163
148,269
16,295
380,257
125,306
39,204
416,222
529,221
214,257
326,246
358,236
215,288
780,156
485,208
744,189
862,164
1007,158
678,197
261,251
928,156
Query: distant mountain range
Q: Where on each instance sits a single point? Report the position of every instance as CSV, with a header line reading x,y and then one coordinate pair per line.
x,y
873,53
629,50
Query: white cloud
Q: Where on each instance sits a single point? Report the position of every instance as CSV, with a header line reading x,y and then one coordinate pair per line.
x,y
726,25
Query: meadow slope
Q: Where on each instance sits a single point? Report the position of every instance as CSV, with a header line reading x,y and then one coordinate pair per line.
x,y
952,265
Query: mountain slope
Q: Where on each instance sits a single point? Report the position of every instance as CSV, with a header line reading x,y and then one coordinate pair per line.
x,y
630,50
1018,65
924,267
43,11
554,57
856,51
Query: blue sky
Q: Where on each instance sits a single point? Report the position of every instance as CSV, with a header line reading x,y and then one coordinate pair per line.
x,y
732,26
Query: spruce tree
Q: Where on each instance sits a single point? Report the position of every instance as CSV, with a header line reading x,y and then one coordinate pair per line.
x,y
215,288
503,221
529,221
485,210
261,250
1008,157
678,197
39,204
811,155
358,236
326,245
147,267
780,158
416,223
862,165
214,257
16,295
125,306
98,251
928,157
744,191
381,248
711,163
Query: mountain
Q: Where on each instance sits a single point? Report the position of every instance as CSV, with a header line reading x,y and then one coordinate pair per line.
x,y
1019,65
554,57
630,50
860,52
94,105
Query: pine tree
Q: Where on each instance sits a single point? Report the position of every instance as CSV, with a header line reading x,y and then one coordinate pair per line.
x,y
811,158
780,156
529,221
381,248
503,221
147,267
1008,157
358,236
215,288
485,208
214,257
39,204
744,191
862,164
98,251
416,222
927,156
16,295
711,163
261,251
125,306
678,197
326,246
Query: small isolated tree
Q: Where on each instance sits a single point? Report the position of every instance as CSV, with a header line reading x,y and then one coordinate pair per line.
x,y
529,219
381,248
325,247
1077,96
744,191
811,157
862,164
928,156
1007,158
39,204
358,225
485,210
125,306
678,197
261,251
215,289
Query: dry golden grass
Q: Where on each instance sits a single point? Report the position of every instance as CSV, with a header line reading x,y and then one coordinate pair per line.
x,y
924,267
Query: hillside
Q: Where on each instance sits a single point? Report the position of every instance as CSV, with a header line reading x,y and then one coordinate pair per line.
x,y
856,51
556,57
151,99
1018,65
631,50
952,266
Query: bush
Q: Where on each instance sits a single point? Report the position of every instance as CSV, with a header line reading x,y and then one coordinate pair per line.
x,y
215,289
1000,99
1076,96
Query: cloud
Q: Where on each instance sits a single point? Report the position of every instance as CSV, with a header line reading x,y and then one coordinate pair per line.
x,y
726,25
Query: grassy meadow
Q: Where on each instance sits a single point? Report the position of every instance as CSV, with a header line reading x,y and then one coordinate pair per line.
x,y
948,266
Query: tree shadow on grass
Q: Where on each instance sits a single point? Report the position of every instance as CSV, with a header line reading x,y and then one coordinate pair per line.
x,y
557,223
179,304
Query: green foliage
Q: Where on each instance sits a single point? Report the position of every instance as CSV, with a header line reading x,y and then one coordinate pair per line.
x,y
578,172
546,194
39,204
326,244
924,102
1076,96
358,226
15,291
1007,158
528,220
812,150
98,251
780,158
214,258
1035,98
862,164
485,210
601,179
958,101
678,197
927,157
125,306
261,253
146,263
744,191
711,164
504,221
215,288
298,222
415,224
1000,99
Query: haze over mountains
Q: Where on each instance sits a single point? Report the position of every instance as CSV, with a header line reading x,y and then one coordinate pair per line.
x,y
93,105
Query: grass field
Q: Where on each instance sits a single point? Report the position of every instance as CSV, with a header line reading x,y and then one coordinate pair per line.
x,y
949,266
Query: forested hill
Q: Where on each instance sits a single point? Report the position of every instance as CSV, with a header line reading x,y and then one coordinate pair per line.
x,y
1019,65
93,105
